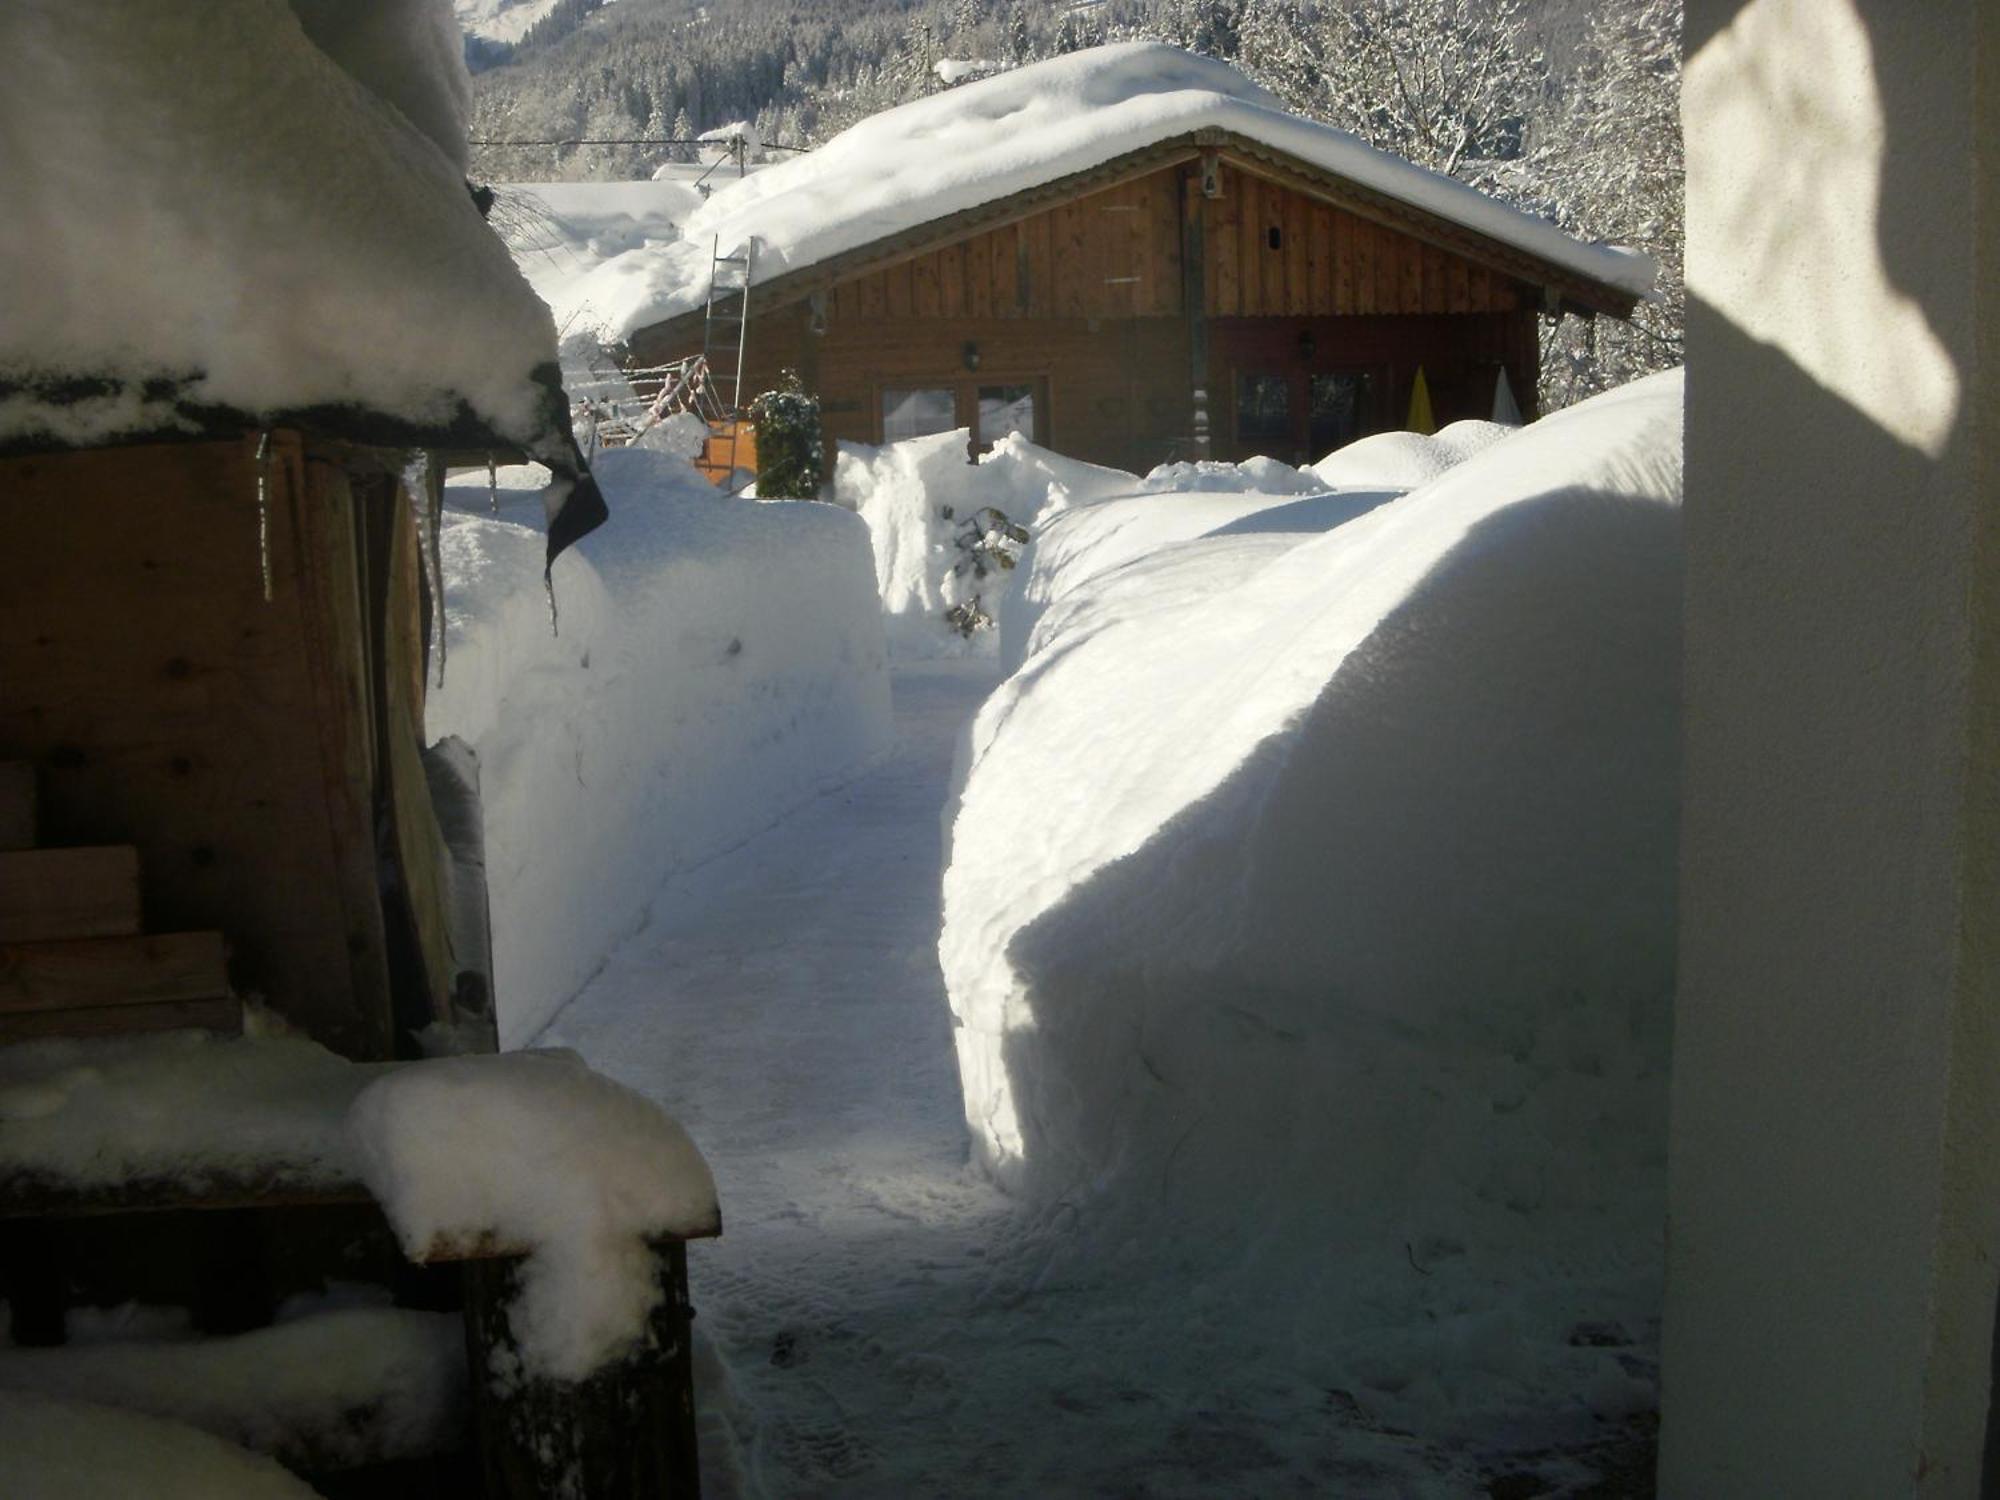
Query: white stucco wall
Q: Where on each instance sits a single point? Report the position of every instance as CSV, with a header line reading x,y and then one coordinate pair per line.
x,y
1834,1202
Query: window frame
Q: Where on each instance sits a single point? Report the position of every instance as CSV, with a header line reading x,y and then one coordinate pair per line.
x,y
965,386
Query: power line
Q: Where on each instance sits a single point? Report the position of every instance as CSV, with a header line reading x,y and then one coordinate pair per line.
x,y
647,141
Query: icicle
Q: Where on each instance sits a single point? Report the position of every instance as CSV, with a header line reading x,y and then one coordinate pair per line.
x,y
430,524
492,486
549,587
264,509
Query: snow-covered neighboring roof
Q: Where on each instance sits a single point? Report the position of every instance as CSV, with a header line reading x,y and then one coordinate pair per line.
x,y
252,208
1015,131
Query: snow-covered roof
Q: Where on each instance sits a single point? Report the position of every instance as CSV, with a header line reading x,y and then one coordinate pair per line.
x,y
1012,132
253,209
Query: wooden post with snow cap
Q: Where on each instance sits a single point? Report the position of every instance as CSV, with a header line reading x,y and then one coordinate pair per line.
x,y
625,1432
570,1221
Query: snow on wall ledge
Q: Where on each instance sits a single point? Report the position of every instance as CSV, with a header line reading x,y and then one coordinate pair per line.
x,y
720,662
280,235
1324,899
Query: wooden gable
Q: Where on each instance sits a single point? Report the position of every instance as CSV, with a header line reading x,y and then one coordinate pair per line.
x,y
1270,250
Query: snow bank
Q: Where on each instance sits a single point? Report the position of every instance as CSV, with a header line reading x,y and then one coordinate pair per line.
x,y
933,520
720,662
1311,910
333,1391
1261,506
69,1450
289,227
992,138
535,1150
1404,460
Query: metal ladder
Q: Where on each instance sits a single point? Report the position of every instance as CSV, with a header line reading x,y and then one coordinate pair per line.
x,y
726,333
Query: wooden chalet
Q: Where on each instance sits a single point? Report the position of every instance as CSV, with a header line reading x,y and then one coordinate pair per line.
x,y
1208,295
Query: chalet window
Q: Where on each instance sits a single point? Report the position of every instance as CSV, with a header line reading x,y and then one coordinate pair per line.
x,y
1264,410
1337,411
1004,409
910,413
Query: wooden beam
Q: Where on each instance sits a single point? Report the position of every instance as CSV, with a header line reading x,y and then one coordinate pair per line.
x,y
625,1433
112,971
223,1015
1193,303
17,805
48,894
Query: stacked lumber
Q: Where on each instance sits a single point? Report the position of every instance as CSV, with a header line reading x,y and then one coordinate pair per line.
x,y
75,959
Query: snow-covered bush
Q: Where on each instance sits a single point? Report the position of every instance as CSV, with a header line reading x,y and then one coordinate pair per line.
x,y
718,664
789,452
947,533
1340,930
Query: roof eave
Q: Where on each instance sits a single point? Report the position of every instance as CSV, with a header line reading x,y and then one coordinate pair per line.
x,y
1562,288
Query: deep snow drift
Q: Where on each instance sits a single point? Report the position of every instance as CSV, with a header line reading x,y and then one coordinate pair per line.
x,y
988,140
719,662
1310,909
72,1450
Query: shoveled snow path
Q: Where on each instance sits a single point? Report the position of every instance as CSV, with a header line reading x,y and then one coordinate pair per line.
x,y
887,1323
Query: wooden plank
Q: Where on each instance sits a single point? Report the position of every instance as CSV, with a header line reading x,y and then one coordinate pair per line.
x,y
48,894
113,971
334,632
979,276
1218,247
1457,284
1410,276
1194,250
1433,259
1163,215
1041,270
897,291
1339,232
417,843
1138,251
1361,241
874,296
1004,272
1298,250
1250,245
1072,292
925,299
951,280
1388,270
18,797
626,1433
1478,289
224,1015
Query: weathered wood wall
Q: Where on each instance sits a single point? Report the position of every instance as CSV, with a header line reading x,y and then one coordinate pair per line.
x,y
1273,252
234,741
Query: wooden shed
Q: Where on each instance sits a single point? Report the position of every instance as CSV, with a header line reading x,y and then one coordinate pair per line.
x,y
229,857
1210,294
